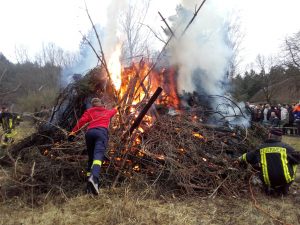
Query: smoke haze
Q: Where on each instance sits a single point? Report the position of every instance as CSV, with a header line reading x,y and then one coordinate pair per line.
x,y
202,54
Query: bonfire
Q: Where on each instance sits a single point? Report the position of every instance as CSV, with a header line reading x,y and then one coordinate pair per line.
x,y
175,143
179,143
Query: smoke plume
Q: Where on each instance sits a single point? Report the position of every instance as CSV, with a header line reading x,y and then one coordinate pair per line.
x,y
202,53
85,59
112,36
109,36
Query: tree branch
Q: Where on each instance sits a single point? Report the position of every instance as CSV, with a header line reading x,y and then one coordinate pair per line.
x,y
154,33
100,45
10,92
2,75
163,19
195,15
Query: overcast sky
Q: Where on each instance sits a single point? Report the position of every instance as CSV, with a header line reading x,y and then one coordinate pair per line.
x,y
30,23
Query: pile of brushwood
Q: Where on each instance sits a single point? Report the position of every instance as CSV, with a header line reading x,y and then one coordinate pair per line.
x,y
188,151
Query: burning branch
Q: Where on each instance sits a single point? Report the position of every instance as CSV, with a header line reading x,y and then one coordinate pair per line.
x,y
145,110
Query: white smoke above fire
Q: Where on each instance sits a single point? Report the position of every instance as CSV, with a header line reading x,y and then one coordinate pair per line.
x,y
112,28
202,53
111,44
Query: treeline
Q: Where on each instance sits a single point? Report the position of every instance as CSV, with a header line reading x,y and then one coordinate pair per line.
x,y
273,78
26,86
33,82
246,86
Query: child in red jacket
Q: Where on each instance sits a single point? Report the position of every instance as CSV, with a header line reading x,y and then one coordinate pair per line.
x,y
97,120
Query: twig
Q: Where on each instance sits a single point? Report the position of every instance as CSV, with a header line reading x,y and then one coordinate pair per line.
x,y
213,193
155,34
32,170
163,19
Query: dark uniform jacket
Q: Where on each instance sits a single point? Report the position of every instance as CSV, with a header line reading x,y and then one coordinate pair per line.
x,y
8,121
277,162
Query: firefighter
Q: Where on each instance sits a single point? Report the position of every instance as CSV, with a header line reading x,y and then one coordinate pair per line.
x,y
276,162
97,120
8,121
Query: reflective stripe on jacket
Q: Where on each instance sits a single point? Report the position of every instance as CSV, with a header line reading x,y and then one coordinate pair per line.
x,y
276,162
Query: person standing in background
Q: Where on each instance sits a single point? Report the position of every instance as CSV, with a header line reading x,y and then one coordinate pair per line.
x,y
296,112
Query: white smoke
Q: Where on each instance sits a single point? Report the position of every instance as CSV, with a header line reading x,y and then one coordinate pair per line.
x,y
109,37
85,59
202,53
112,29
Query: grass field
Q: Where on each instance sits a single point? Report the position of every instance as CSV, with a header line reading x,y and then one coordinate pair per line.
x,y
126,206
293,141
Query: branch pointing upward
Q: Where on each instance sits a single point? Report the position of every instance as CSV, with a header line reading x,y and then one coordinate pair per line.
x,y
195,15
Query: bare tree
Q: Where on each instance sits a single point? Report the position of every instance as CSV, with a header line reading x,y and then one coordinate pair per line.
x,y
6,93
265,65
236,37
292,50
21,54
54,55
132,24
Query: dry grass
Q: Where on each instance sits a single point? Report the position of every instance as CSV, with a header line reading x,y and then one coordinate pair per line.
x,y
293,141
127,207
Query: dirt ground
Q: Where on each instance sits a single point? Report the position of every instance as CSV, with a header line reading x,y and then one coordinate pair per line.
x,y
125,206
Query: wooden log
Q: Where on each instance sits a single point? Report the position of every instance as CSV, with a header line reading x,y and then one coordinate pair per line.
x,y
144,111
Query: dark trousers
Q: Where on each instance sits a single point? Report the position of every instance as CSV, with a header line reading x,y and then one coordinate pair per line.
x,y
96,142
280,190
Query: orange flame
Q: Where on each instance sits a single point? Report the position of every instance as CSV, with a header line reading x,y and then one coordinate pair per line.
x,y
128,80
115,68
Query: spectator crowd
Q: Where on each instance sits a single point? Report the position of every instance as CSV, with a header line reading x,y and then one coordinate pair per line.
x,y
280,116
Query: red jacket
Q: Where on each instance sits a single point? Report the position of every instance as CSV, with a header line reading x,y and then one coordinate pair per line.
x,y
96,117
296,108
